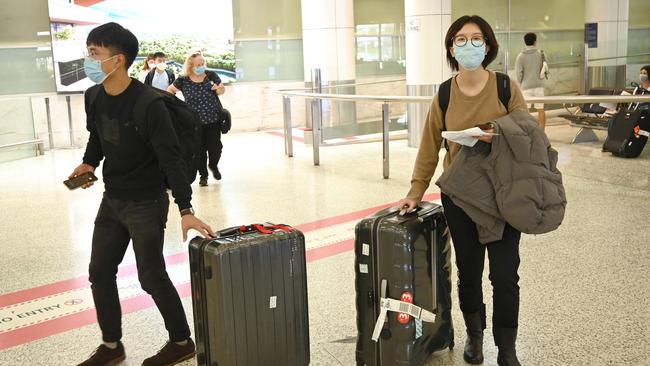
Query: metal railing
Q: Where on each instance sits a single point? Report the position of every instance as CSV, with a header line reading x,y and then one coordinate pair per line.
x,y
316,99
46,97
37,142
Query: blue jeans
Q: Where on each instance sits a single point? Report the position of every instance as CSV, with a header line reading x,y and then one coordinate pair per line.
x,y
143,222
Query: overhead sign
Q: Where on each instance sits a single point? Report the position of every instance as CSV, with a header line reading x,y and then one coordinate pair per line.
x,y
591,34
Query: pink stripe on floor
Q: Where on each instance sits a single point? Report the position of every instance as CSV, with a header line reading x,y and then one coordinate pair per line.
x,y
329,250
280,134
75,283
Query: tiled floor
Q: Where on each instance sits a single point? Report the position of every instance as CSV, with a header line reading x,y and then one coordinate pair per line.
x,y
584,288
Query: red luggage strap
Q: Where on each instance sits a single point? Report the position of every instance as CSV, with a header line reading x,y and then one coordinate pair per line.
x,y
265,229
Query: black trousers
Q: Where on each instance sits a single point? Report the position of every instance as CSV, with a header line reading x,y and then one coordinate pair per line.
x,y
470,256
143,222
211,147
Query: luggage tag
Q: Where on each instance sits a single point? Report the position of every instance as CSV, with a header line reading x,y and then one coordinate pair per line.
x,y
397,306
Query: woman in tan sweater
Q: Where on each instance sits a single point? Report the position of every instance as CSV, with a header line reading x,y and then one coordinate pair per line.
x,y
471,46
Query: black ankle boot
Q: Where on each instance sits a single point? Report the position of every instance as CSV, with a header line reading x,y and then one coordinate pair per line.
x,y
505,339
475,323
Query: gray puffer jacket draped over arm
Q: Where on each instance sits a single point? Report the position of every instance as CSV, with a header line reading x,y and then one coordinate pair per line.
x,y
514,179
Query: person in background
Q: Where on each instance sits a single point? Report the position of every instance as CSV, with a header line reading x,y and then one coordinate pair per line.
x,y
471,46
160,77
148,65
527,70
644,82
201,90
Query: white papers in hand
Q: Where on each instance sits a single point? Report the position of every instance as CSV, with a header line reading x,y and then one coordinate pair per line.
x,y
465,137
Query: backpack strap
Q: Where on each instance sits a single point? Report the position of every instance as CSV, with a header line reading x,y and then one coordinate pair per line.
x,y
89,101
147,96
503,89
91,96
444,93
148,80
170,77
213,77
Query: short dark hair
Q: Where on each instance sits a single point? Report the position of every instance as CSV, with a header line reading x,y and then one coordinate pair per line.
x,y
646,68
530,39
116,38
488,34
159,54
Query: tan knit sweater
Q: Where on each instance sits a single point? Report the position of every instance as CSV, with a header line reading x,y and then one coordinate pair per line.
x,y
463,112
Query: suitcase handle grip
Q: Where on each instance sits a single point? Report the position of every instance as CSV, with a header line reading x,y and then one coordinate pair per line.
x,y
415,210
228,232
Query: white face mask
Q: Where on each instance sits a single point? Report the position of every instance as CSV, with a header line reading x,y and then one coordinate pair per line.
x,y
161,66
151,65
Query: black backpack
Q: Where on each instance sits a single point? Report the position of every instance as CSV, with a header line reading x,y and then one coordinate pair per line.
x,y
185,120
503,89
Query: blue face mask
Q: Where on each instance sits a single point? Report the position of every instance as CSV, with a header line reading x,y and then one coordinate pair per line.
x,y
469,56
93,69
199,70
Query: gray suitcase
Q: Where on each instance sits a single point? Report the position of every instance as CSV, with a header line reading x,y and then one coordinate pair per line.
x,y
249,294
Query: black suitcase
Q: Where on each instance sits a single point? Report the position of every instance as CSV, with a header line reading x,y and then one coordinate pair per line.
x,y
627,133
249,294
404,258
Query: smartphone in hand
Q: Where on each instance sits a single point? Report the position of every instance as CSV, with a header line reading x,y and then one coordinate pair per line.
x,y
80,180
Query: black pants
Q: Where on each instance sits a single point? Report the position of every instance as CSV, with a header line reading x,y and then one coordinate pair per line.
x,y
143,222
211,147
470,257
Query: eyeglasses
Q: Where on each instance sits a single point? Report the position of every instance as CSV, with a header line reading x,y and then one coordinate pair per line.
x,y
477,40
94,54
91,53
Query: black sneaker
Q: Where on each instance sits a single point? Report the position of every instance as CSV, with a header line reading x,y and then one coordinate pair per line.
x,y
171,354
104,356
216,173
203,181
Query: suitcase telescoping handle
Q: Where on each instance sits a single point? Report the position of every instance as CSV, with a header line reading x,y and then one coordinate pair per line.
x,y
262,228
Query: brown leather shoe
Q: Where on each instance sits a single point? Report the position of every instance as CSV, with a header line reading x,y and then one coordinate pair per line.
x,y
171,354
104,356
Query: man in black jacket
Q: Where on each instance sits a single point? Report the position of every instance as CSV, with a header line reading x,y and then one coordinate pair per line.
x,y
135,204
160,76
